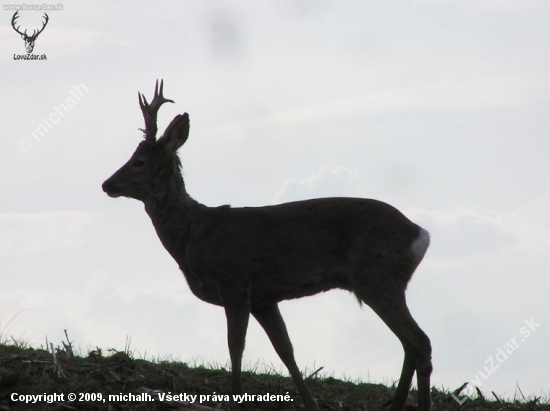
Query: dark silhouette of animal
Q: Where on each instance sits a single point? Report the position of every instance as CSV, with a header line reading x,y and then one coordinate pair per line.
x,y
248,259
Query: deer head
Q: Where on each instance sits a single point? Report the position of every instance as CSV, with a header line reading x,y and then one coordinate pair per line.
x,y
154,168
29,40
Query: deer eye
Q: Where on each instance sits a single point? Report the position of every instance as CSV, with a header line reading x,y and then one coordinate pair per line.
x,y
138,163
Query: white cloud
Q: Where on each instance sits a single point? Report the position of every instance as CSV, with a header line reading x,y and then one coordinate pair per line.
x,y
476,87
30,233
465,232
338,181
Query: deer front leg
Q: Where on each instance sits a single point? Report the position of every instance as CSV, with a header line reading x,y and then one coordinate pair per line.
x,y
237,313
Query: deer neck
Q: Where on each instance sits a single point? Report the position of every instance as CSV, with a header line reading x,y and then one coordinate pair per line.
x,y
172,214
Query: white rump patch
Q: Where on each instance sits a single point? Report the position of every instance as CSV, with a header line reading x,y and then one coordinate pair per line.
x,y
420,245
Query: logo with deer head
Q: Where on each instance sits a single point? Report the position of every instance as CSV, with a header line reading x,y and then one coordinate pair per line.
x,y
29,40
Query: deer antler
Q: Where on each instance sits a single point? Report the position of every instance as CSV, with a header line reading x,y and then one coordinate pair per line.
x,y
35,33
150,111
43,26
15,16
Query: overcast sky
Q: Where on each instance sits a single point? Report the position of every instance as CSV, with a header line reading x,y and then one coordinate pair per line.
x,y
438,107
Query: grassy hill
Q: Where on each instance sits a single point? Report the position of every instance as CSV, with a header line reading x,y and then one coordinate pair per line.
x,y
29,371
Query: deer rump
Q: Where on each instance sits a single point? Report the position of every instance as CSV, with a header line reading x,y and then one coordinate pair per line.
x,y
297,249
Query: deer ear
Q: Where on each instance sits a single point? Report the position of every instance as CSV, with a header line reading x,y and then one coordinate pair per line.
x,y
176,133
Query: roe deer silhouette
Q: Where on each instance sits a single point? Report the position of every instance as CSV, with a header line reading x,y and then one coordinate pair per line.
x,y
249,259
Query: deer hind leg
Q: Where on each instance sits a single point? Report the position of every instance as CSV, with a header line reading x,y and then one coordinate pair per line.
x,y
393,310
272,322
237,323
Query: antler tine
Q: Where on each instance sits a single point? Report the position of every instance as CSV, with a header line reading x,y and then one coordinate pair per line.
x,y
43,24
15,17
150,110
159,99
142,101
157,88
